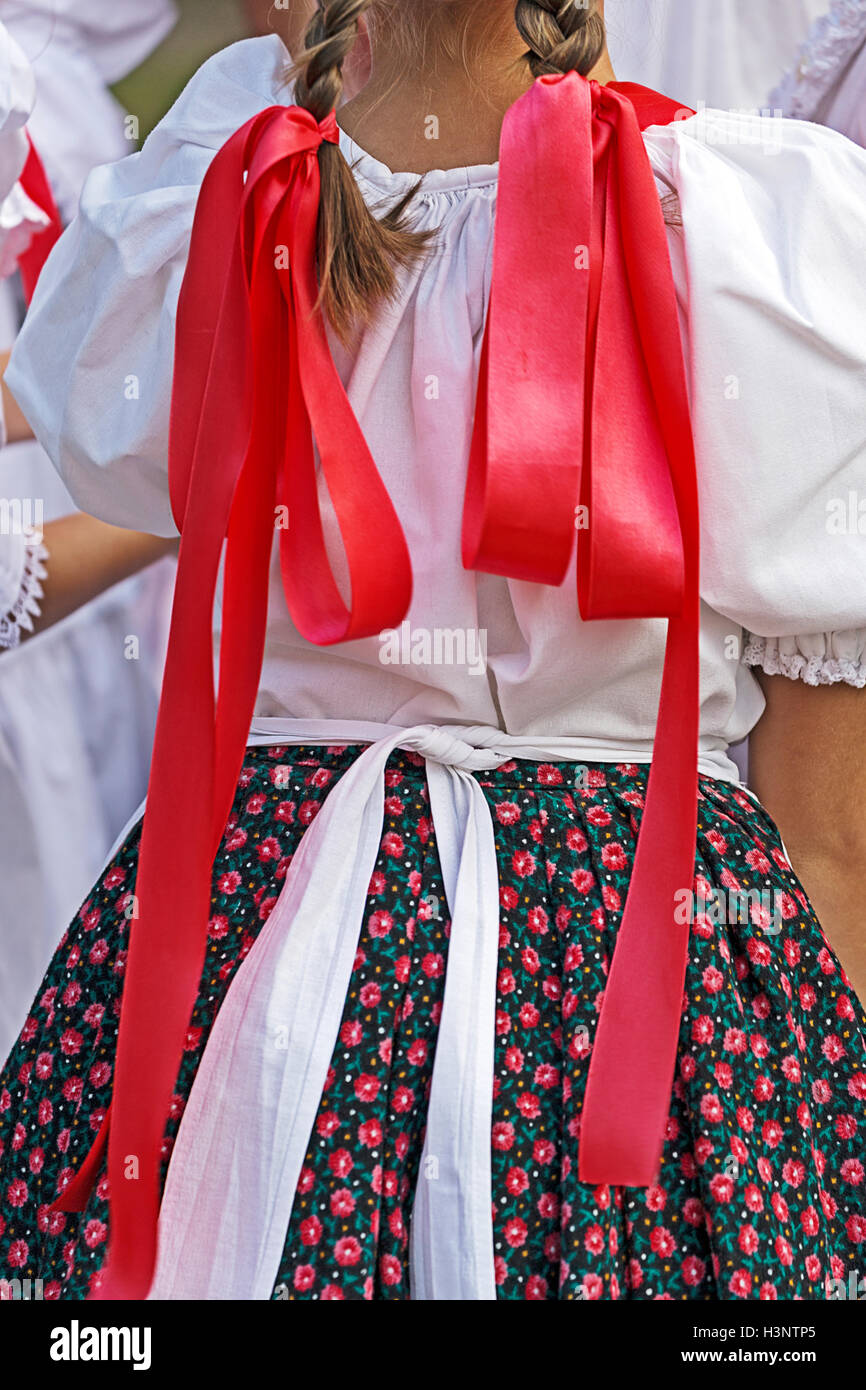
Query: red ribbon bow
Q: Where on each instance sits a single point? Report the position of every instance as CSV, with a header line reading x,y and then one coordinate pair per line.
x,y
582,400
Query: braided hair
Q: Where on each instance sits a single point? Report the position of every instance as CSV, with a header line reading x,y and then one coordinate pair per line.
x,y
562,35
359,254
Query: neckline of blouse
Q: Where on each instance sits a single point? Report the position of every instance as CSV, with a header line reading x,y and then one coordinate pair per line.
x,y
373,171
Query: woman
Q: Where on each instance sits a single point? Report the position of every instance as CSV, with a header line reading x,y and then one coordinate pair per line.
x,y
426,976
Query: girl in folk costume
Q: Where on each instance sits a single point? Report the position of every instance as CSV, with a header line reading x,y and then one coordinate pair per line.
x,y
424,979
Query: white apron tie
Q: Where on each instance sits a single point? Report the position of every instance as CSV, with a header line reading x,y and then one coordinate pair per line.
x,y
245,1131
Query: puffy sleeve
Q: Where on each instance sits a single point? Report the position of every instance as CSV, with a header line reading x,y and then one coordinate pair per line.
x,y
92,367
768,261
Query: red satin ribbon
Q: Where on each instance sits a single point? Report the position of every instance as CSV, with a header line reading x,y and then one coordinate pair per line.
x,y
35,183
582,400
254,385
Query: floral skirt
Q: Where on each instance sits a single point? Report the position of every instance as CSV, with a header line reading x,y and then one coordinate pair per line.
x,y
761,1190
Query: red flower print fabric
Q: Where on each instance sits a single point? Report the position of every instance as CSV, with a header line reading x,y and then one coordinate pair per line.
x,y
762,1188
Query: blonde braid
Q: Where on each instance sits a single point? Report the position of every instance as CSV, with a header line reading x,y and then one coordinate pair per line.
x,y
358,255
562,35
331,35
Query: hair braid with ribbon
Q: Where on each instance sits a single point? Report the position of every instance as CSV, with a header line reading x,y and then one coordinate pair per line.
x,y
358,254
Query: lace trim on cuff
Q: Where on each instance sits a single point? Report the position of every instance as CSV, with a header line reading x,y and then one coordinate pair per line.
x,y
26,606
826,670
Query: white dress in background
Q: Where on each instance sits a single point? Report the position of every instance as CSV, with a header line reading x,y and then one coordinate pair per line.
x,y
827,82
718,53
22,554
76,715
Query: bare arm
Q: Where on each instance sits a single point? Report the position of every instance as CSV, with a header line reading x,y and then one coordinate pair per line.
x,y
17,427
86,557
807,763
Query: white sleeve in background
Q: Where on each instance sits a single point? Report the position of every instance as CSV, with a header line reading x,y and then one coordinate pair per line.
x,y
119,34
17,94
769,264
827,80
20,218
76,48
718,53
92,366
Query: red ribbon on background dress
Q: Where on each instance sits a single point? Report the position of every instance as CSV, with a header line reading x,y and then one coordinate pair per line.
x,y
582,401
35,183
254,384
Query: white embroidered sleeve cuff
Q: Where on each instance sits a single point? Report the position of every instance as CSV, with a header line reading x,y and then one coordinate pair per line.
x,y
818,659
22,569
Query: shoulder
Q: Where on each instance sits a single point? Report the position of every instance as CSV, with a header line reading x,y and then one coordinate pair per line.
x,y
773,151
757,192
226,90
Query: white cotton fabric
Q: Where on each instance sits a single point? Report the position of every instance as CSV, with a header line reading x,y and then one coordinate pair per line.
x,y
716,53
773,301
22,569
816,659
17,94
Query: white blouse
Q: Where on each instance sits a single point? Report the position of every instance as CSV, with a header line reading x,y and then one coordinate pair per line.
x,y
768,267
